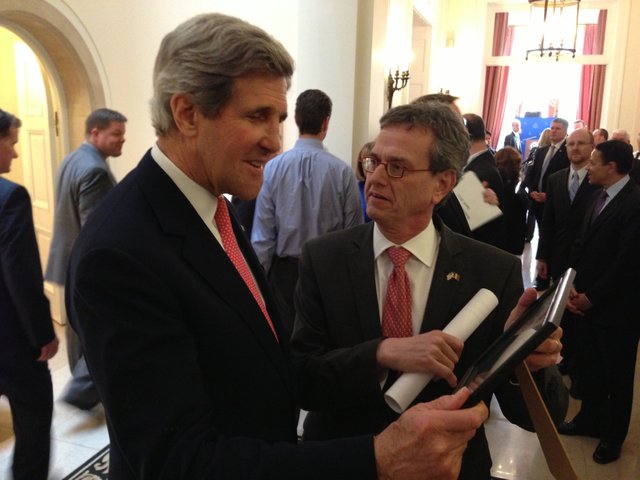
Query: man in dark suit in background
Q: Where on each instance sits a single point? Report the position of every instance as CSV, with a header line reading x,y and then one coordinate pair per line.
x,y
175,312
569,195
547,160
346,337
569,198
482,162
607,261
513,139
27,339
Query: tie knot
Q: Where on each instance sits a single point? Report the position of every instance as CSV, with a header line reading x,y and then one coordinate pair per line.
x,y
398,256
222,213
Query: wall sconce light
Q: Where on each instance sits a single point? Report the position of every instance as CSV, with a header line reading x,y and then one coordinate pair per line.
x,y
555,22
395,83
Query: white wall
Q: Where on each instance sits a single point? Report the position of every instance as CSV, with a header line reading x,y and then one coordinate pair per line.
x,y
327,39
125,46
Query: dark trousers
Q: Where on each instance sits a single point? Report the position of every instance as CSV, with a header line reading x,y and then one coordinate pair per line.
x,y
30,395
607,375
283,276
74,350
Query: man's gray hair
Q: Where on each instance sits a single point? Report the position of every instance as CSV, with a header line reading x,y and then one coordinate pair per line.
x,y
203,56
451,148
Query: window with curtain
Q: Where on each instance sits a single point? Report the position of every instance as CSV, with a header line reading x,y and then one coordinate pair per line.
x,y
517,89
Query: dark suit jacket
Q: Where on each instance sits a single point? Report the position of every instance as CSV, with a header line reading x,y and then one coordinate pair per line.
x,y
607,259
495,232
337,331
193,381
531,181
510,141
635,169
451,213
562,220
514,208
25,321
82,182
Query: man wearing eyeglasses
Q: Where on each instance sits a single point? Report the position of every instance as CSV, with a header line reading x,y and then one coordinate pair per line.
x,y
372,301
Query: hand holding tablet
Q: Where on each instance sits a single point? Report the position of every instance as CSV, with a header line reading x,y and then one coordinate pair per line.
x,y
519,340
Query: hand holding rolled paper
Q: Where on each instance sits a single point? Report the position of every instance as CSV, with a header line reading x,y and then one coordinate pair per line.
x,y
409,385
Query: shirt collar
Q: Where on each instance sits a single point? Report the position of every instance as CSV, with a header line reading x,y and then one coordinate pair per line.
x,y
476,155
614,189
581,172
202,200
423,246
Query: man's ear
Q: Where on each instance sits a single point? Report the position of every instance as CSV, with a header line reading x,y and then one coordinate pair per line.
x,y
445,181
184,114
93,134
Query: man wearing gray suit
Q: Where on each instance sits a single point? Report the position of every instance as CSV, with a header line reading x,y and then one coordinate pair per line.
x,y
83,180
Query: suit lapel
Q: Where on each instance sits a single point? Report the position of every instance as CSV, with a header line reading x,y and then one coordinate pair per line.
x,y
444,284
609,210
362,285
205,255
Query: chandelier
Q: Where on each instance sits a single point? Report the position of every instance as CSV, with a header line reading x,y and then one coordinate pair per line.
x,y
555,23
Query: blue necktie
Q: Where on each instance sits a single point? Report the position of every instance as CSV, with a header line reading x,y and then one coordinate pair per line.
x,y
573,186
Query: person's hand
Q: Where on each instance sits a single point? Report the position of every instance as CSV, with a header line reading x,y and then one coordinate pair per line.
x,y
428,440
489,195
433,352
539,197
49,350
578,303
548,352
541,269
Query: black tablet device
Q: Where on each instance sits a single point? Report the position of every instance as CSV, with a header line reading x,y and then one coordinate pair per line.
x,y
496,364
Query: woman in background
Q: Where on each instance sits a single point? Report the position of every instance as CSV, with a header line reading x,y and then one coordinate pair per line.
x,y
365,151
514,207
543,141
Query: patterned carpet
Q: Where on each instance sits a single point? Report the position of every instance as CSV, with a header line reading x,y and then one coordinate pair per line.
x,y
96,468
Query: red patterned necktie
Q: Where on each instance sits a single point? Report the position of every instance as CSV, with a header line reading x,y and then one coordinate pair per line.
x,y
396,313
235,255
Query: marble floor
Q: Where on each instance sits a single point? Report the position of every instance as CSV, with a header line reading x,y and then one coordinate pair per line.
x,y
77,435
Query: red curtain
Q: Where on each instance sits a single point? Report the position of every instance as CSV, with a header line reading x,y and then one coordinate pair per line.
x,y
502,35
495,86
495,99
592,77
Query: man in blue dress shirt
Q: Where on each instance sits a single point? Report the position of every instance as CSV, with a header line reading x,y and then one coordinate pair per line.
x,y
306,192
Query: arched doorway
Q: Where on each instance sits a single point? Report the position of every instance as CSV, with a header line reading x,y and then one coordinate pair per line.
x,y
72,87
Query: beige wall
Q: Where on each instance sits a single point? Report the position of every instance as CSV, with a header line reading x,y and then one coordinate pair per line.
x,y
8,92
630,93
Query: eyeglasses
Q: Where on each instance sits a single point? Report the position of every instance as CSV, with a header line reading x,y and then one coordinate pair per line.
x,y
394,170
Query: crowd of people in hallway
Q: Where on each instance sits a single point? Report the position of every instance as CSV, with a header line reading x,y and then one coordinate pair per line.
x,y
204,324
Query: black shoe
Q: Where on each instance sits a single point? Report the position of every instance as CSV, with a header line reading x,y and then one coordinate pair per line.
x,y
573,428
607,452
81,404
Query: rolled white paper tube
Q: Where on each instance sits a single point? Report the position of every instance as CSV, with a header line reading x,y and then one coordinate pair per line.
x,y
409,385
